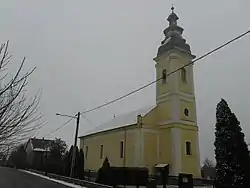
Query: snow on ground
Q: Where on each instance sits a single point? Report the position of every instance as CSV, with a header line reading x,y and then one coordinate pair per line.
x,y
58,181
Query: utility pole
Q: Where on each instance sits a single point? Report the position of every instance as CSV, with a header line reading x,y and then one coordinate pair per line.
x,y
77,117
75,145
46,161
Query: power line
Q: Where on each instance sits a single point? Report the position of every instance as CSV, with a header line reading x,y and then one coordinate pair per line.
x,y
119,98
63,125
88,120
149,84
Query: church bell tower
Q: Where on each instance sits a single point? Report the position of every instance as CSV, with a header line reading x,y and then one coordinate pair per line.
x,y
175,99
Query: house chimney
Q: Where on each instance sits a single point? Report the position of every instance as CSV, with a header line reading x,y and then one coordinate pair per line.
x,y
139,119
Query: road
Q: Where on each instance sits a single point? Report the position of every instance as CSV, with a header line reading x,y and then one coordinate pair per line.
x,y
13,178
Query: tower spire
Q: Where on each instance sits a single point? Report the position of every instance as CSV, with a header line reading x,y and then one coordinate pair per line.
x,y
172,8
172,18
173,35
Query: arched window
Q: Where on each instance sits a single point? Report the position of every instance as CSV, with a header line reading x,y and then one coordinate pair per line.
x,y
86,151
121,149
184,75
188,148
164,76
101,153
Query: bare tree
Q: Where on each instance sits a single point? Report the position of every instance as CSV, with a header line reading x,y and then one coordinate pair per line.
x,y
19,116
208,163
208,169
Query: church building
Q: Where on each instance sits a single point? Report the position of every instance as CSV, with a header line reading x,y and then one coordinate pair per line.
x,y
158,135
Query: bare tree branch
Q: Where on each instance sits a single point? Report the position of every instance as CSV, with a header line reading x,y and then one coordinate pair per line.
x,y
19,114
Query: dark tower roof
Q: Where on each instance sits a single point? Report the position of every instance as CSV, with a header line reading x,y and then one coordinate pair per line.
x,y
172,17
173,36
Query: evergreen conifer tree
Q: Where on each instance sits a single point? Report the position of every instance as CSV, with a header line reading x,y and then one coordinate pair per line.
x,y
231,152
75,163
103,174
80,165
67,161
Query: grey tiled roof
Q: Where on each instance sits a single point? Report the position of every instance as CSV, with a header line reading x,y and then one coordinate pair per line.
x,y
121,121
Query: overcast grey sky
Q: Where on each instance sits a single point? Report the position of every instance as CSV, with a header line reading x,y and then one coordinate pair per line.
x,y
89,52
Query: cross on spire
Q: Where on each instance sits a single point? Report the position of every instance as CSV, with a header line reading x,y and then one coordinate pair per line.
x,y
172,18
172,8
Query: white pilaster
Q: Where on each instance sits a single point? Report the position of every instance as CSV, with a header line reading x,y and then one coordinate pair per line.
x,y
176,152
198,151
158,148
175,77
175,108
137,147
142,147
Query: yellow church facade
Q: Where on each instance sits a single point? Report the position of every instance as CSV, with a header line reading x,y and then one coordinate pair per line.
x,y
162,134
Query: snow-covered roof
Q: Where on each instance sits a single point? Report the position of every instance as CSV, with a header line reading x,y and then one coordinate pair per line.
x,y
121,121
40,149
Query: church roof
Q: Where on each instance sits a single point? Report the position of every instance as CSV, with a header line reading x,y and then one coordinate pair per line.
x,y
121,121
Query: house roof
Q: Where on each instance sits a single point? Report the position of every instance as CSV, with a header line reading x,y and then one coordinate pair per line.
x,y
121,121
40,144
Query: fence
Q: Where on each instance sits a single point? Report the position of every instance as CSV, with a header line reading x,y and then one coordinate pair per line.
x,y
173,180
83,183
91,175
115,176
